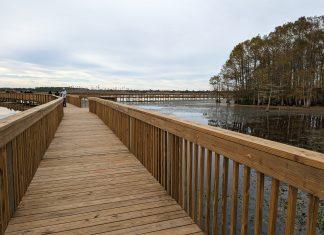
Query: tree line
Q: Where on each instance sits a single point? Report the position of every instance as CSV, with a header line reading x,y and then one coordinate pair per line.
x,y
284,67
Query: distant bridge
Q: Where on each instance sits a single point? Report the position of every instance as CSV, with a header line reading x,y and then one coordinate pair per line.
x,y
142,96
149,95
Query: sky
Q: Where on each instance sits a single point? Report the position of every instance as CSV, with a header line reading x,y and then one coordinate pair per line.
x,y
131,44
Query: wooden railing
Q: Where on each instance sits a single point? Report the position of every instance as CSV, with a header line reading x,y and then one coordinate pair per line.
x,y
24,138
149,96
74,99
211,171
26,98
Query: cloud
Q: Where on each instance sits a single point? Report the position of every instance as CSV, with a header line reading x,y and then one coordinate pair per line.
x,y
138,44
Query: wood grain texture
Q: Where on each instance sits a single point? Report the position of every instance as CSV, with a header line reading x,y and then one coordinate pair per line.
x,y
224,194
201,187
245,201
298,167
273,208
14,125
312,214
88,182
24,139
291,211
259,204
74,99
208,191
216,192
234,198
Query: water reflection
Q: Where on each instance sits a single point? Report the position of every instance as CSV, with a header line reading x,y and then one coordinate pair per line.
x,y
5,112
301,128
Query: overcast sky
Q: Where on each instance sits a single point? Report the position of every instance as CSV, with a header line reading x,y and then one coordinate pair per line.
x,y
141,44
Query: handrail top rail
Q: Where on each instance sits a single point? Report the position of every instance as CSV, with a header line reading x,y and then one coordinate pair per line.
x,y
72,95
300,155
13,125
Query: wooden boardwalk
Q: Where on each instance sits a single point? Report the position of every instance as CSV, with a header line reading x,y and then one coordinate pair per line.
x,y
89,183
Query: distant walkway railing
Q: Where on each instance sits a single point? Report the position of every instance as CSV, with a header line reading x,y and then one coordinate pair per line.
x,y
149,96
26,98
24,138
195,162
74,99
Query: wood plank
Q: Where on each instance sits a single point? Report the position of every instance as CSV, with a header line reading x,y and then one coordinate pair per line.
x,y
12,126
208,186
190,195
312,214
93,184
195,182
201,186
298,167
273,207
245,202
224,194
259,204
234,198
291,210
216,191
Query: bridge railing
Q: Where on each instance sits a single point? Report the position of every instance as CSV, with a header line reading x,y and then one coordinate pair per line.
x,y
146,96
24,138
26,98
211,171
74,99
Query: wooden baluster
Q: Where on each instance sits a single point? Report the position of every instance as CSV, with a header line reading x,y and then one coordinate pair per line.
x,y
160,155
312,214
168,162
158,142
224,193
185,173
195,179
4,203
152,150
216,191
176,168
208,183
245,203
180,171
173,164
145,146
190,163
259,204
273,208
291,210
165,137
141,128
201,185
162,158
234,197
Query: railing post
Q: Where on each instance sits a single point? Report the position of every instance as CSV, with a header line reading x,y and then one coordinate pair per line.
x,y
10,176
4,197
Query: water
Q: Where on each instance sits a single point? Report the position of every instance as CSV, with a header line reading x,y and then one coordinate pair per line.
x,y
303,129
6,112
294,127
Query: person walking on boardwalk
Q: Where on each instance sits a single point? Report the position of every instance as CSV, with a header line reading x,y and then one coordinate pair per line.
x,y
63,95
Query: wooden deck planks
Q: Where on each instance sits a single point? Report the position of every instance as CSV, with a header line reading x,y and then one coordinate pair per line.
x,y
89,183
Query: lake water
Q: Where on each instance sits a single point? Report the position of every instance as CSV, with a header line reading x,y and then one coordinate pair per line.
x,y
6,112
298,128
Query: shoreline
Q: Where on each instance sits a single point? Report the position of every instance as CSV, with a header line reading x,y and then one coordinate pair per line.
x,y
312,109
